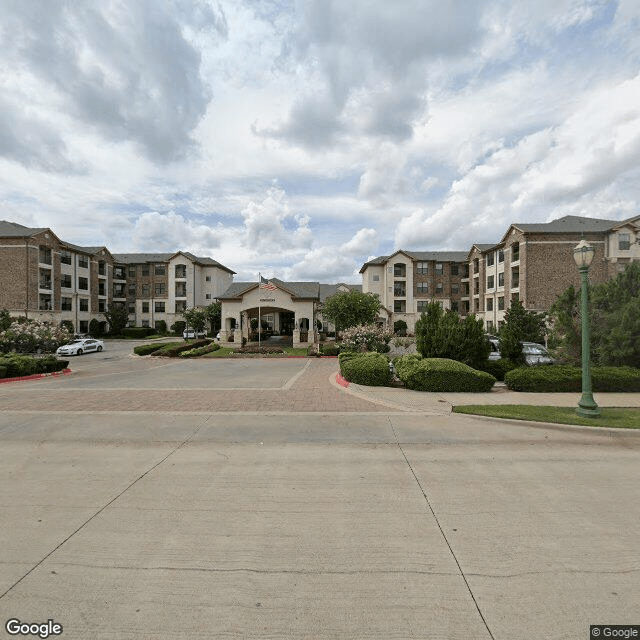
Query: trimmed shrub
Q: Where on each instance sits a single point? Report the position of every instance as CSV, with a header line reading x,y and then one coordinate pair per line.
x,y
370,369
3,371
567,378
178,327
441,374
499,368
329,349
200,351
146,349
258,349
173,350
138,332
161,326
16,366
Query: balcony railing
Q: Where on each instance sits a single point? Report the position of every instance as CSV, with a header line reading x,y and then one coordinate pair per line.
x,y
45,284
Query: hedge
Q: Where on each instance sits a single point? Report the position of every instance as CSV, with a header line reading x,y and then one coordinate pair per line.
x,y
441,374
146,349
370,369
173,350
331,349
499,368
16,366
259,349
567,378
137,332
192,353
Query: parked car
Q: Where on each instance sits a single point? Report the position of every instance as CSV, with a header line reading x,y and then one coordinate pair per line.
x,y
190,334
78,347
535,353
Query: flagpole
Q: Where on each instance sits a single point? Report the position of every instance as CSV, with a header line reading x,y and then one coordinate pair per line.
x,y
259,321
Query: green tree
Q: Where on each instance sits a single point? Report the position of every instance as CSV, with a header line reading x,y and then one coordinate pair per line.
x,y
117,318
427,330
196,318
351,308
519,326
214,315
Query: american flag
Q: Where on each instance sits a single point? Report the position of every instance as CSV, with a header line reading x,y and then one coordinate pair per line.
x,y
268,286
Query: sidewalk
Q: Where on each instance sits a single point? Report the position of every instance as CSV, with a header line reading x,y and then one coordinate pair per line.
x,y
442,403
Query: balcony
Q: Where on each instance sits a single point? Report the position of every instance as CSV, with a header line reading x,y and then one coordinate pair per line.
x,y
45,284
119,273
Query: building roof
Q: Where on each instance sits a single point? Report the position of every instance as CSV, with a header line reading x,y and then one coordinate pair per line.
x,y
304,290
567,224
14,230
141,258
444,256
327,290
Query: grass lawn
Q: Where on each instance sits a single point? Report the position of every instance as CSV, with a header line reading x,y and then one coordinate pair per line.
x,y
611,417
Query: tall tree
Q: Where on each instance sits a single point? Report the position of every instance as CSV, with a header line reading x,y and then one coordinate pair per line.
x,y
351,308
117,318
196,318
519,326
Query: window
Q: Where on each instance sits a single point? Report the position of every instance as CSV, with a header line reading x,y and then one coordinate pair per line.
x,y
65,281
500,255
490,282
65,257
145,290
45,255
422,287
515,277
439,287
119,273
400,270
207,296
439,269
489,304
84,304
422,305
181,271
84,326
181,306
624,241
181,289
207,279
145,269
490,259
131,271
132,289
476,288
501,279
102,306
145,323
158,307
455,288
476,265
400,306
83,262
454,269
102,290
422,268
399,289
65,304
465,306
376,278
131,308
159,288
101,268
501,303
83,283
145,307
515,252
159,270
119,290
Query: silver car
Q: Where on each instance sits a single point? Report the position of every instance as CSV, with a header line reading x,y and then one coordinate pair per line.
x,y
80,346
535,353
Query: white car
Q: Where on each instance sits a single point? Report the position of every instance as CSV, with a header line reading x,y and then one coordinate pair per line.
x,y
80,346
190,334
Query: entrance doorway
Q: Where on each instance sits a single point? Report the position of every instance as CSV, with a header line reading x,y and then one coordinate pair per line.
x,y
287,323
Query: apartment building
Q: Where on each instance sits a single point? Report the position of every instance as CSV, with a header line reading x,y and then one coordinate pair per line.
x,y
44,277
533,263
407,280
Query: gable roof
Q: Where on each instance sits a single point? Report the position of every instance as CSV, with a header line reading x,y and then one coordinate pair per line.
x,y
14,230
139,258
566,224
303,290
444,256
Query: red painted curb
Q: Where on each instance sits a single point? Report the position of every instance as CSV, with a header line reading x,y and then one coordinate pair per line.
x,y
36,376
341,381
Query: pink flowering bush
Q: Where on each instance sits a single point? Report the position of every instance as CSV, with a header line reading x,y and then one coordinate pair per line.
x,y
32,336
366,337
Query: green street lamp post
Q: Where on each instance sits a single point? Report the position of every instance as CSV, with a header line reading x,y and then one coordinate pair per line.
x,y
583,255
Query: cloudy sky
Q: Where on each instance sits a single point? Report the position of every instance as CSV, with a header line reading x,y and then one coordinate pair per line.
x,y
300,138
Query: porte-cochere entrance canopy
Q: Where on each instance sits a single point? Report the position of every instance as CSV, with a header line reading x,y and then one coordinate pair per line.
x,y
284,308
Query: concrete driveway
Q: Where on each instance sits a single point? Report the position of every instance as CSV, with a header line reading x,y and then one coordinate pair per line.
x,y
256,499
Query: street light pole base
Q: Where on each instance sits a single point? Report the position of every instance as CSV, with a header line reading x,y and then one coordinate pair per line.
x,y
587,407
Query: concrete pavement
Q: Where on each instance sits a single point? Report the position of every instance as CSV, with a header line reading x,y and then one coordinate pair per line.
x,y
131,513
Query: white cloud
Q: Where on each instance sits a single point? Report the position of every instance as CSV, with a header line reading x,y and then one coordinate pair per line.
x,y
155,231
364,241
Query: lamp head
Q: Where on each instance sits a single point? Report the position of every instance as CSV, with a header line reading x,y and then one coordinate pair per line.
x,y
583,254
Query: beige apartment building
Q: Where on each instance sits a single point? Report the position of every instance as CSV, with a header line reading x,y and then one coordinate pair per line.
x,y
44,277
532,263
